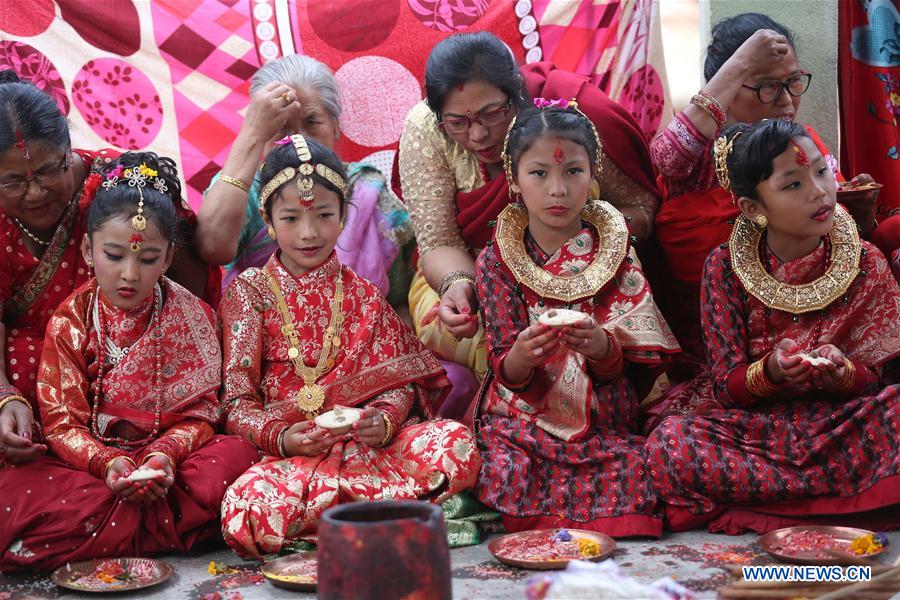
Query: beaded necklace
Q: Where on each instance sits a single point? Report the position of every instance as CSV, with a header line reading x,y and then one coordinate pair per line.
x,y
102,357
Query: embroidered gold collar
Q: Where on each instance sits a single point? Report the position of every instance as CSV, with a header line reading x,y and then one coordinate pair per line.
x,y
613,247
797,299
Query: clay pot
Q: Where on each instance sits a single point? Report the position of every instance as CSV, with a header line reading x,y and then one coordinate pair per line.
x,y
387,549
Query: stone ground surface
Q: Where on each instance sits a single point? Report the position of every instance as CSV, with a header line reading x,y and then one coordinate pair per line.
x,y
693,558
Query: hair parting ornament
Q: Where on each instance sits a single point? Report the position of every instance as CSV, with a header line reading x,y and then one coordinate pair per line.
x,y
305,170
721,151
137,177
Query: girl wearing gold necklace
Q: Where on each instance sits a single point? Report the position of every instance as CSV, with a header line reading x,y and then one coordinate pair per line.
x,y
308,345
793,420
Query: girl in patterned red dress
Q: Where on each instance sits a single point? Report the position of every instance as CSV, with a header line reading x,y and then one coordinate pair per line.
x,y
793,423
557,426
129,377
304,334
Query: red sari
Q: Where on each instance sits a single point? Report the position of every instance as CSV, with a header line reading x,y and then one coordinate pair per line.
x,y
62,510
739,462
379,363
564,451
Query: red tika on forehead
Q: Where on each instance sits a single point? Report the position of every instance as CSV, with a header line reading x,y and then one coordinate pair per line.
x,y
461,87
558,155
21,145
800,156
136,241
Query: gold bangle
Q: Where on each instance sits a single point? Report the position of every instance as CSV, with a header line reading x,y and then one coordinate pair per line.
x,y
454,276
848,380
112,460
280,443
14,398
146,458
388,431
235,182
758,383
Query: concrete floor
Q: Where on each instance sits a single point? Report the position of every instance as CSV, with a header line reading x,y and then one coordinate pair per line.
x,y
693,558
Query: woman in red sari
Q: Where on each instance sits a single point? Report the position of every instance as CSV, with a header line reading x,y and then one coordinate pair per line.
x,y
45,189
558,426
752,73
303,335
449,169
129,378
794,424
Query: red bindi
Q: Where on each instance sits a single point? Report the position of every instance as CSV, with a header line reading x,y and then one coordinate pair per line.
x,y
558,155
136,241
461,87
800,156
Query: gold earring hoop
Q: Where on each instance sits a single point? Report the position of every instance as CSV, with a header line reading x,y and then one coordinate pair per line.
x,y
271,232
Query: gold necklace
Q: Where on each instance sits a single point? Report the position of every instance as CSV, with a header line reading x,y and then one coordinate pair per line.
x,y
27,232
843,267
613,248
311,396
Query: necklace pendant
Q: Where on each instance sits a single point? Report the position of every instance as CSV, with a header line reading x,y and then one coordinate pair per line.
x,y
310,398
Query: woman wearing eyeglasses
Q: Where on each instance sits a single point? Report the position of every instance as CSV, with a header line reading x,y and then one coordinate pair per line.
x,y
752,73
45,188
452,178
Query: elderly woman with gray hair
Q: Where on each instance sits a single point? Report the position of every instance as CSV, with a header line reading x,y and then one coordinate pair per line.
x,y
298,94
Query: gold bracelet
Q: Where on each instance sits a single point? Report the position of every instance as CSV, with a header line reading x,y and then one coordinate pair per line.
x,y
14,398
848,380
112,460
146,458
388,431
454,276
758,383
280,443
235,182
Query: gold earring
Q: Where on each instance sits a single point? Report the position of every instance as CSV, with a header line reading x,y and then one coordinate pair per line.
x,y
272,232
762,221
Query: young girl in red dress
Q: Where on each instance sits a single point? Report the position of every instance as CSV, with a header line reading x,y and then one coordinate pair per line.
x,y
557,427
792,424
305,334
128,382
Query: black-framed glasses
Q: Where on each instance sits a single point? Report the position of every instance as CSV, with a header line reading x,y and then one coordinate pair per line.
x,y
795,86
488,118
51,176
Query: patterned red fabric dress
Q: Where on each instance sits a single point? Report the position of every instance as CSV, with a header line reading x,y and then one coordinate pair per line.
x,y
379,363
62,510
563,451
739,462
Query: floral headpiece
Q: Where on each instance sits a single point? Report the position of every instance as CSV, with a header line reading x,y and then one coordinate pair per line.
x,y
721,151
305,170
541,104
137,177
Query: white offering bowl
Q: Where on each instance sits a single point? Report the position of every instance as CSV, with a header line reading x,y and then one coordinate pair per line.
x,y
561,317
338,424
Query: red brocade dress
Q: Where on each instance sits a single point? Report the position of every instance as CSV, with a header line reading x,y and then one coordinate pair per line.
x,y
739,462
563,450
379,363
59,510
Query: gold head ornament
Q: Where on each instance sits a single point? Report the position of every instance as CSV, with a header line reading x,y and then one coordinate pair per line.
x,y
303,173
721,151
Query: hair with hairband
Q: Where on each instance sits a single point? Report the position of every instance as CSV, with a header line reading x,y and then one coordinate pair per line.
x,y
303,172
559,117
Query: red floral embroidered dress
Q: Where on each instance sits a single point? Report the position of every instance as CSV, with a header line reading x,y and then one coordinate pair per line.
x,y
563,451
739,462
62,510
379,363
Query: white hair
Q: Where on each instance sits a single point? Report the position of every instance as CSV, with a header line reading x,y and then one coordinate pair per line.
x,y
301,72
